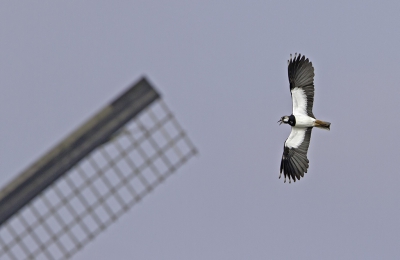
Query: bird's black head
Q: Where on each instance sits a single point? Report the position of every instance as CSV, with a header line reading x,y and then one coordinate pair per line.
x,y
291,120
284,119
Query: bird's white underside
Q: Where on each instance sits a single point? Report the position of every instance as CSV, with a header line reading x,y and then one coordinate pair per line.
x,y
299,100
303,121
296,137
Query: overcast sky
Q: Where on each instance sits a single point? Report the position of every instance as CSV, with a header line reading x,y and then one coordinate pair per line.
x,y
221,67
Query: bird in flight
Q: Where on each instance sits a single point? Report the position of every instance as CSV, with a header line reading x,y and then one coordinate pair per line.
x,y
301,79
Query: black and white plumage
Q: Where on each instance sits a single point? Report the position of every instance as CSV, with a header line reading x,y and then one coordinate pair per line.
x,y
294,161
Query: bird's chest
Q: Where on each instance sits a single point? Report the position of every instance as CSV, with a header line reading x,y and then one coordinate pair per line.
x,y
303,121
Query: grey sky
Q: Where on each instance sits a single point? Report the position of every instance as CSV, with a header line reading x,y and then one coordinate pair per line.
x,y
221,67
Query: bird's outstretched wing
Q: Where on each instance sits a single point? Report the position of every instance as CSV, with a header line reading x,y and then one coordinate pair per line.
x,y
301,79
294,159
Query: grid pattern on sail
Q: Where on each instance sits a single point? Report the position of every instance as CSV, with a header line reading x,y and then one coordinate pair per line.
x,y
99,189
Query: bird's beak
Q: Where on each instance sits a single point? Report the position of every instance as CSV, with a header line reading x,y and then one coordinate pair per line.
x,y
280,121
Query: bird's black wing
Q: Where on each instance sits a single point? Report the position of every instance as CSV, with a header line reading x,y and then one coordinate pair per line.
x,y
301,80
294,159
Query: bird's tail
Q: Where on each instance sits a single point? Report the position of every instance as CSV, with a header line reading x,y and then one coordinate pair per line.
x,y
322,124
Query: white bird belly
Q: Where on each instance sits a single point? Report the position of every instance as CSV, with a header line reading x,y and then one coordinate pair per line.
x,y
304,121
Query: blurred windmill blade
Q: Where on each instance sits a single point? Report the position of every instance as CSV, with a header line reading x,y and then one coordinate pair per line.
x,y
80,187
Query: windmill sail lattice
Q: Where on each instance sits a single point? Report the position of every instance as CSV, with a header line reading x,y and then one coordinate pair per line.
x,y
69,196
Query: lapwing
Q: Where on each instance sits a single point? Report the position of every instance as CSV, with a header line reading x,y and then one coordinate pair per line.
x,y
301,79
